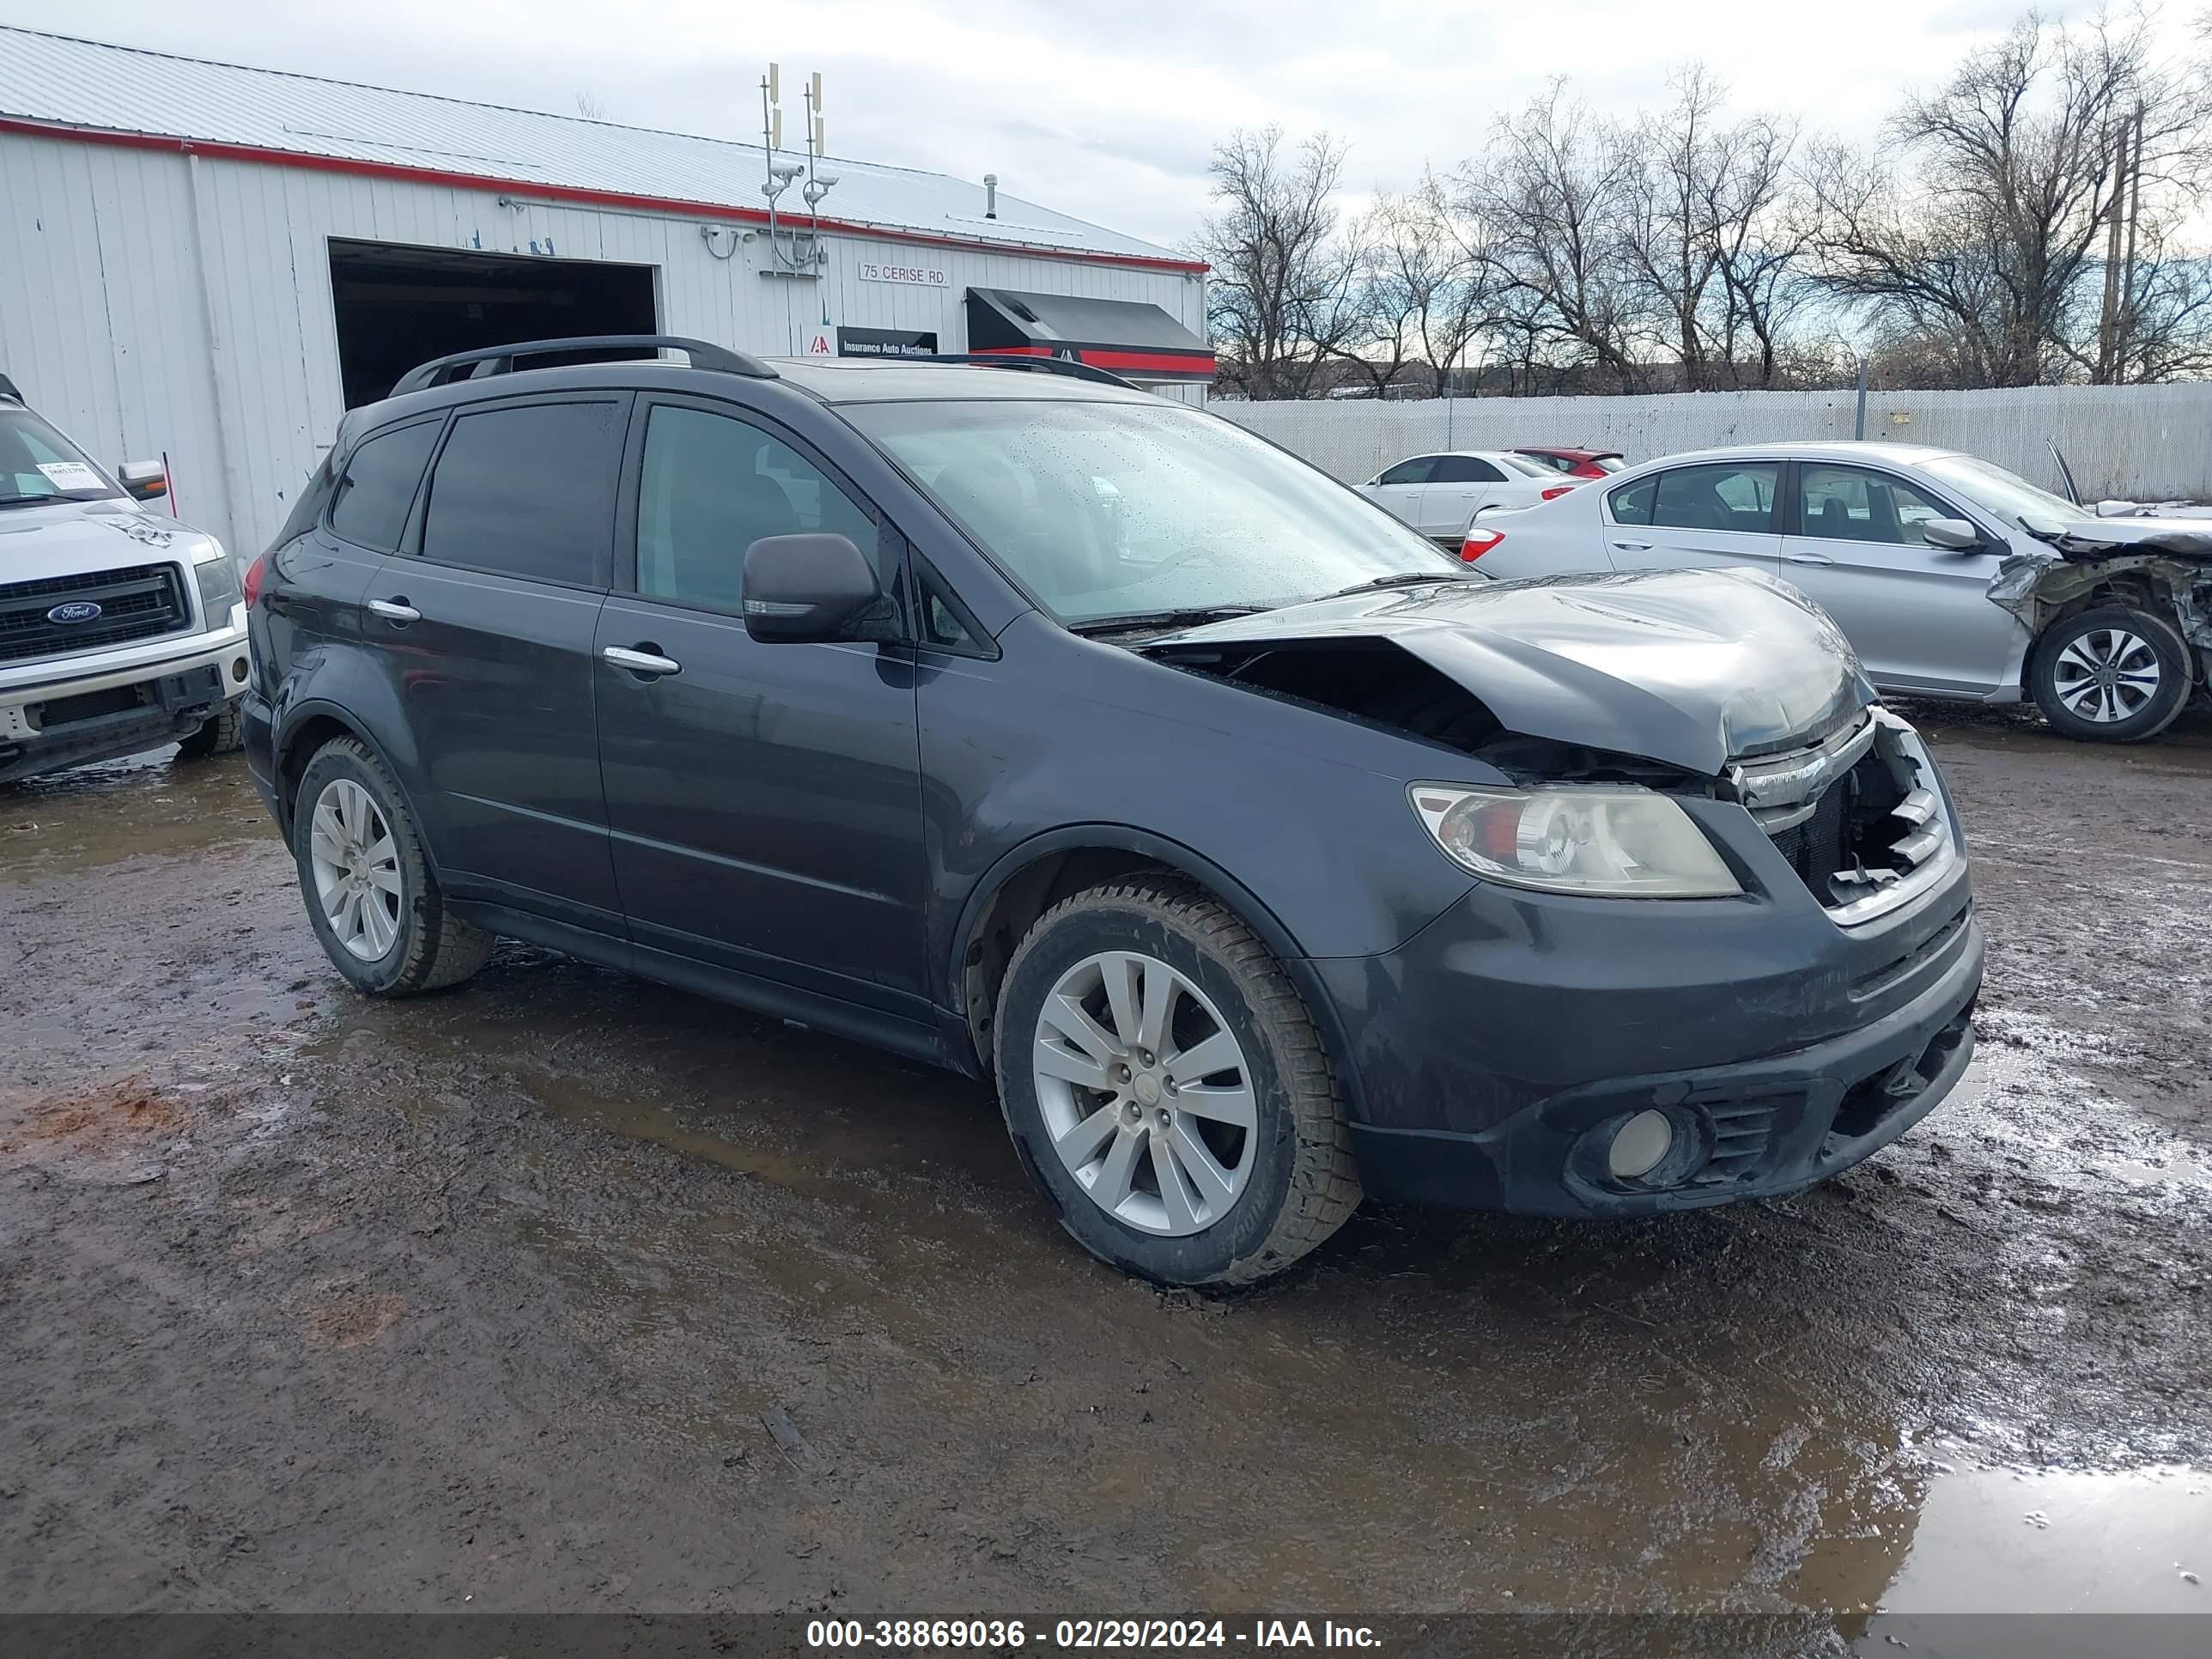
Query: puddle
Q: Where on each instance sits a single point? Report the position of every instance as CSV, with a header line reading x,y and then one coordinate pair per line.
x,y
1998,1540
149,805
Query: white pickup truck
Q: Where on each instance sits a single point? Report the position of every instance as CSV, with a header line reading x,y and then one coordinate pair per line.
x,y
120,629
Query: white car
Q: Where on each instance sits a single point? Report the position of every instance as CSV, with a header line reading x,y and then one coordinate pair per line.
x,y
1952,577
1437,493
120,629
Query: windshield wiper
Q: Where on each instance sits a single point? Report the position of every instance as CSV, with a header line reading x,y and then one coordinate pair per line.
x,y
28,500
1191,618
1408,579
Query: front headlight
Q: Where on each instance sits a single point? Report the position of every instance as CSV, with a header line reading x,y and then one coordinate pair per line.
x,y
219,591
1613,840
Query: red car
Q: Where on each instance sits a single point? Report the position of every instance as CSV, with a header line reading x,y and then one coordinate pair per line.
x,y
1577,463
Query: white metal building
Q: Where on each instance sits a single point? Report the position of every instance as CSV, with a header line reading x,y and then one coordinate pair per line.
x,y
212,263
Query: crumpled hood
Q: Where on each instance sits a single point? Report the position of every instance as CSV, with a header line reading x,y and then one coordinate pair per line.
x,y
2091,538
75,539
1687,667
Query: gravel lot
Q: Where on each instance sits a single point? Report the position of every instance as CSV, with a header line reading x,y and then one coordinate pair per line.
x,y
312,1303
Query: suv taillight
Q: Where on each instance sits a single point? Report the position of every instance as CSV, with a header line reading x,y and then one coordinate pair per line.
x,y
1479,542
254,573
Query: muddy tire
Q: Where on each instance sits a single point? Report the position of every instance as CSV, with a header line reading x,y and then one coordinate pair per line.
x,y
1167,1089
371,894
223,732
2112,674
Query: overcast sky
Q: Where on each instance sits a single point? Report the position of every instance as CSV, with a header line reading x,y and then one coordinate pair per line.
x,y
1103,111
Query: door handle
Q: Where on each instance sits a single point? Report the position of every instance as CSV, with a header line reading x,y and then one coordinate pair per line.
x,y
1807,558
1633,547
641,660
395,610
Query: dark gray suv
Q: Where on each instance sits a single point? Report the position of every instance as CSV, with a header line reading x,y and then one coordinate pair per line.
x,y
1037,727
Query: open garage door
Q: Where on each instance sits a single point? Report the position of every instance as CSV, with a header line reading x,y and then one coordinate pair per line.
x,y
397,307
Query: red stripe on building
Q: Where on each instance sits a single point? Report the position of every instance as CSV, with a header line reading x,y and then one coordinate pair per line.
x,y
578,194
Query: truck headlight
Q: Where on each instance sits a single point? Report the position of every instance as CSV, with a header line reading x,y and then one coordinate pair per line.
x,y
219,590
1598,839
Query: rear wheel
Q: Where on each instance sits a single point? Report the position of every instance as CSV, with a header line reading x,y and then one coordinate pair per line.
x,y
2116,673
371,895
1167,1088
220,733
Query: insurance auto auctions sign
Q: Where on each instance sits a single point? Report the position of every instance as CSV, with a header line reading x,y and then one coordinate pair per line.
x,y
875,271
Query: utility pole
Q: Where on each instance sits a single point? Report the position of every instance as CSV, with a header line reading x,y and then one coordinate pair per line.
x,y
2108,320
2126,322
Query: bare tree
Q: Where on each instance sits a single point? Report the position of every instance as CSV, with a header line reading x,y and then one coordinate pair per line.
x,y
1983,252
1552,188
1283,299
593,107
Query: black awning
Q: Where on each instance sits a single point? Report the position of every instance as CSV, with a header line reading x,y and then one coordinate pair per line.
x,y
1137,341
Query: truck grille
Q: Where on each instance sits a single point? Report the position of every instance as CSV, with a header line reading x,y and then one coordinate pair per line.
x,y
135,604
1856,815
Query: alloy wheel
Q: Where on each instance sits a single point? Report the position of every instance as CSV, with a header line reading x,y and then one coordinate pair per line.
x,y
355,859
1146,1093
2106,676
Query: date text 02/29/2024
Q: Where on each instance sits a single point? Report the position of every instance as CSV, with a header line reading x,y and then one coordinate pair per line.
x,y
1125,1635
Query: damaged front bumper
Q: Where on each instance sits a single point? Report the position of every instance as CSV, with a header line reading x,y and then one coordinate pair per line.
x,y
2172,557
1495,1054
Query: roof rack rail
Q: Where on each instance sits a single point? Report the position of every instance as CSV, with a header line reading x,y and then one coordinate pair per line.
x,y
500,360
1067,366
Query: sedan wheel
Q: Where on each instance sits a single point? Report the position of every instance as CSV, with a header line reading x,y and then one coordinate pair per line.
x,y
1146,1093
2115,673
356,861
2107,675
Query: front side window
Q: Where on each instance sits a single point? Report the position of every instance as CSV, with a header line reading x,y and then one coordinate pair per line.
x,y
1465,469
37,464
528,490
712,486
378,486
1409,473
1736,496
1850,504
1106,510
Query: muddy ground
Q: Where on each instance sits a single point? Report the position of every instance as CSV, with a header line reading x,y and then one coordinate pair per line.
x,y
312,1304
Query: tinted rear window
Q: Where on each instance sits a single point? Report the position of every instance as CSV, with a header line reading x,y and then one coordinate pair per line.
x,y
1464,469
378,486
528,491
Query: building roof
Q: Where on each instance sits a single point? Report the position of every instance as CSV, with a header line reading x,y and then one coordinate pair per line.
x,y
124,95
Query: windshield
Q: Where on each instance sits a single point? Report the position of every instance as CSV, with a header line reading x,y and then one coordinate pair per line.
x,y
2008,495
1611,464
37,464
1107,509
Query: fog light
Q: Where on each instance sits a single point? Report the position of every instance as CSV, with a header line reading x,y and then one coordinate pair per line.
x,y
238,669
1639,1146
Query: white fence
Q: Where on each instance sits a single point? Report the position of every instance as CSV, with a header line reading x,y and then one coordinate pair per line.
x,y
2144,443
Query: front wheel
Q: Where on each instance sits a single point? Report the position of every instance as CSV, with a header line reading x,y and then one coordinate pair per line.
x,y
1167,1088
2112,674
223,732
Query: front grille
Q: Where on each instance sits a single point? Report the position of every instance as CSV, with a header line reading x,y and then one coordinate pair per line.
x,y
1857,816
135,604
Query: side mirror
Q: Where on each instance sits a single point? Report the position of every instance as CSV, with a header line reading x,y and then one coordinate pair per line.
x,y
144,481
813,588
1953,535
